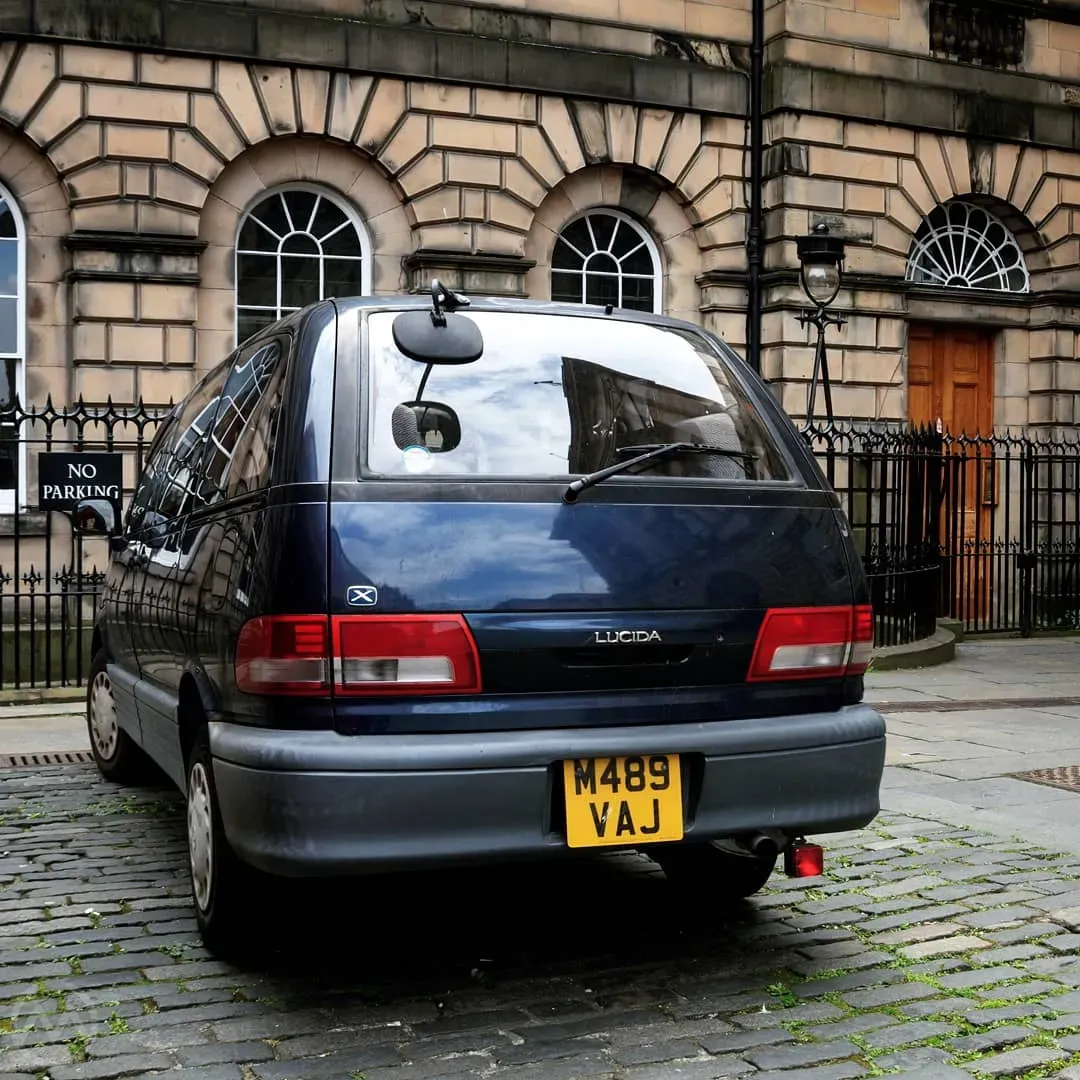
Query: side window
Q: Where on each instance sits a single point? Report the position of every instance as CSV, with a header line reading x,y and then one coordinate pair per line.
x,y
254,453
168,482
252,385
148,488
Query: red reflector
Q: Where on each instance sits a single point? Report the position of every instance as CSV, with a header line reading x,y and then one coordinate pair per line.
x,y
283,654
404,654
812,643
360,654
804,860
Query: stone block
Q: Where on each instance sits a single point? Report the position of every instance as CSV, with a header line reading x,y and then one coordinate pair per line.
x,y
95,182
189,28
98,384
274,85
476,170
505,104
383,114
442,204
425,174
139,344
237,94
34,72
137,141
160,386
108,102
520,181
348,98
166,303
408,143
191,153
193,73
506,211
215,126
88,341
153,217
439,98
102,65
537,153
180,345
481,135
312,93
104,300
320,42
79,147
61,110
849,165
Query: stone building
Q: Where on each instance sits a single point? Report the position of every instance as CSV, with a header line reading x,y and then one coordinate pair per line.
x,y
176,172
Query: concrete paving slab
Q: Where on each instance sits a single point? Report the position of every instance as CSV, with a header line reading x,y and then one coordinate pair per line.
x,y
42,733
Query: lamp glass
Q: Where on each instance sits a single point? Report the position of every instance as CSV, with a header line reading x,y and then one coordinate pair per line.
x,y
821,282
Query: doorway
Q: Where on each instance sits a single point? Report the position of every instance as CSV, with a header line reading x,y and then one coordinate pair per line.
x,y
951,391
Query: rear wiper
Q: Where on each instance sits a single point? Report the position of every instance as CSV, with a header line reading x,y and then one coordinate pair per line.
x,y
643,455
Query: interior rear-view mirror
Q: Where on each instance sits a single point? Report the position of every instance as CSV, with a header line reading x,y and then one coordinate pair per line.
x,y
428,424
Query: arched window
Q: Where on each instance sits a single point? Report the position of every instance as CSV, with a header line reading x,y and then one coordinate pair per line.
x,y
295,246
962,246
605,257
12,336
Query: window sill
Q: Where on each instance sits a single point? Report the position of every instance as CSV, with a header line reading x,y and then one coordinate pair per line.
x,y
30,522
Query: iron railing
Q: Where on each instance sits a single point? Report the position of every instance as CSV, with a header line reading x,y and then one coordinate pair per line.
x,y
50,576
983,529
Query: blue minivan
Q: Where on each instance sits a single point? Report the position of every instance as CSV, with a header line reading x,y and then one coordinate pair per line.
x,y
418,582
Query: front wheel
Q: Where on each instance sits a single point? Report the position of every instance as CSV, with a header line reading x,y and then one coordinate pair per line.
x,y
118,757
221,884
713,874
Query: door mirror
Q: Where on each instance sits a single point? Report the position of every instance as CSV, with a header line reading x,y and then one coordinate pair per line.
x,y
428,424
439,336
95,517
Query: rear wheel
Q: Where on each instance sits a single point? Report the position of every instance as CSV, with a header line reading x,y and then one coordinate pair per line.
x,y
221,885
118,757
712,874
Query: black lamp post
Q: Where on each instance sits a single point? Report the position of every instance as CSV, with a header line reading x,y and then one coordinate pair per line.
x,y
821,257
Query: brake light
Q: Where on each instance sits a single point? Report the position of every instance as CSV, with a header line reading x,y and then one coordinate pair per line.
x,y
813,643
283,654
361,654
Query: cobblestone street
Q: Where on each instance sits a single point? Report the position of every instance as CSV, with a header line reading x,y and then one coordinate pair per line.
x,y
929,950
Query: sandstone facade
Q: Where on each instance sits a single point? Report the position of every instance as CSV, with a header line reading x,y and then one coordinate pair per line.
x,y
462,138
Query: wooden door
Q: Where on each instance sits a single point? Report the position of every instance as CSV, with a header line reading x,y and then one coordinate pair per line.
x,y
951,387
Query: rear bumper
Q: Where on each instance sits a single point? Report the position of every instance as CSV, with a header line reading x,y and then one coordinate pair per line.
x,y
318,803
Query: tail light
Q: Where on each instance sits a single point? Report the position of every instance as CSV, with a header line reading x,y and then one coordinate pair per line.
x,y
358,654
813,643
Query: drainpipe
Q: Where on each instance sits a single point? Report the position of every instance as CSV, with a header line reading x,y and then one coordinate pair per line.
x,y
756,226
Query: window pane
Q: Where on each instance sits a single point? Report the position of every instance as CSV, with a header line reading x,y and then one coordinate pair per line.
x,y
272,213
342,277
9,267
638,293
251,322
566,288
299,281
9,325
577,234
256,280
603,227
9,457
301,204
253,237
7,380
601,290
343,242
553,395
564,257
7,221
327,218
301,244
640,262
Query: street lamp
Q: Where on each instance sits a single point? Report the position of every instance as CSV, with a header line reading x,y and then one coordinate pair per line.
x,y
821,257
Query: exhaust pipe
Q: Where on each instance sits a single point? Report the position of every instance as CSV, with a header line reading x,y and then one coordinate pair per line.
x,y
759,845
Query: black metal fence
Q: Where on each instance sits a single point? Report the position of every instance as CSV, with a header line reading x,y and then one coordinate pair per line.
x,y
984,530
50,576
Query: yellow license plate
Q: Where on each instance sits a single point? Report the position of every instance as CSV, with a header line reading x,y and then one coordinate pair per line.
x,y
623,801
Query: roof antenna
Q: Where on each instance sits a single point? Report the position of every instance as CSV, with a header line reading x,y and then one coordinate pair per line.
x,y
444,299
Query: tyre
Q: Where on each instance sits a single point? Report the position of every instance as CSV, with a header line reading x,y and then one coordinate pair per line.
x,y
118,757
222,886
712,875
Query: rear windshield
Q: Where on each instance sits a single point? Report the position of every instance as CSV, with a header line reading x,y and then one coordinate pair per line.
x,y
558,395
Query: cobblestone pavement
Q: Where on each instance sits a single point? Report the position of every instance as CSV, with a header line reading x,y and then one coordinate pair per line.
x,y
926,950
